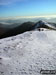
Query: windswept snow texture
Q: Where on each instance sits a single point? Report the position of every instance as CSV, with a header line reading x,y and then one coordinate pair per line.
x,y
28,53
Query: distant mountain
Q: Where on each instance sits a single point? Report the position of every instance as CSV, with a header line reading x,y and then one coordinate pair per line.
x,y
44,24
27,26
18,30
5,27
2,29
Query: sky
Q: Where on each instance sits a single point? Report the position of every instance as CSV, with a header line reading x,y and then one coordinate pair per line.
x,y
12,8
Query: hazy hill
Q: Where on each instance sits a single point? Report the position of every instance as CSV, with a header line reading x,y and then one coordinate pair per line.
x,y
19,29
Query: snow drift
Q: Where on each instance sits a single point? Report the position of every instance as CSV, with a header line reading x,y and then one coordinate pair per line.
x,y
28,53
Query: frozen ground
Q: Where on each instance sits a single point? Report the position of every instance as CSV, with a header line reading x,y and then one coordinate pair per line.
x,y
28,53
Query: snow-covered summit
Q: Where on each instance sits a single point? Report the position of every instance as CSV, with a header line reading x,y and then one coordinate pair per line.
x,y
44,24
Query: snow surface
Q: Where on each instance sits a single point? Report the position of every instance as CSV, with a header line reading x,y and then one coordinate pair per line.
x,y
40,23
28,53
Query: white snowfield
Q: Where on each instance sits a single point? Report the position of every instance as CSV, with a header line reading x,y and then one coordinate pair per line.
x,y
28,53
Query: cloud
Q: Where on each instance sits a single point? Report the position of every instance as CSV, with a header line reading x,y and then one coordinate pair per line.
x,y
19,17
6,2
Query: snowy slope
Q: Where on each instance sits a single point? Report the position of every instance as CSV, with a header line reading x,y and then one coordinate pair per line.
x,y
27,53
44,24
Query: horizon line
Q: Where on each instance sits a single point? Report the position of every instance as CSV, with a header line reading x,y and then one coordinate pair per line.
x,y
26,17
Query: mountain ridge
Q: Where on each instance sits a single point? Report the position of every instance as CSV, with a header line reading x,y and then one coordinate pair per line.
x,y
28,26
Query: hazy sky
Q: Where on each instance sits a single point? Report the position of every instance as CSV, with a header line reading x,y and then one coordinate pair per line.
x,y
27,8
